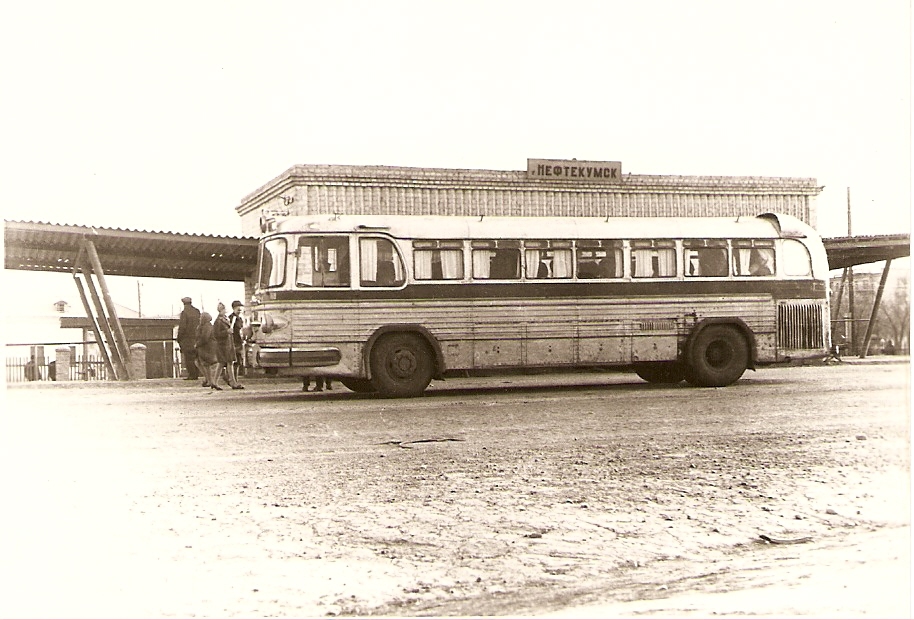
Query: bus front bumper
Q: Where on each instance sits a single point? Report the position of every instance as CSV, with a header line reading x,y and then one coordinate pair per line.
x,y
306,357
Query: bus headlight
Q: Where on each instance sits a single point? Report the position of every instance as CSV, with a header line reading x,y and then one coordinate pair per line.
x,y
269,324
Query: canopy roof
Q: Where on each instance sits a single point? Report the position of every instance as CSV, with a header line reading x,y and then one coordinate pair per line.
x,y
39,246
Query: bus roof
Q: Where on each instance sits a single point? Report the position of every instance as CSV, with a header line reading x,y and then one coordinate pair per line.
x,y
458,227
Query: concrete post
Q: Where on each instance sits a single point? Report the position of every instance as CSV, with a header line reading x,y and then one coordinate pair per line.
x,y
138,361
62,363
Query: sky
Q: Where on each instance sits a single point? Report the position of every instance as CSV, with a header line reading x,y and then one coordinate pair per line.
x,y
164,116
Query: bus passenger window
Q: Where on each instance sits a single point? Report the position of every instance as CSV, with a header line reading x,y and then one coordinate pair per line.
x,y
796,259
273,263
496,260
438,264
653,259
379,263
705,258
547,262
599,259
753,258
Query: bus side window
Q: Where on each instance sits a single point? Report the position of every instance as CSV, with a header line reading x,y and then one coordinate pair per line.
x,y
547,259
796,259
599,259
438,260
334,261
379,263
653,259
705,258
753,258
505,264
496,260
322,262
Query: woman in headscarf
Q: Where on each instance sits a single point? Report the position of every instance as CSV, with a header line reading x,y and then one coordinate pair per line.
x,y
206,351
225,348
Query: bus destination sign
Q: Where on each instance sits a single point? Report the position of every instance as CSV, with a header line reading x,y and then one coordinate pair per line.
x,y
598,171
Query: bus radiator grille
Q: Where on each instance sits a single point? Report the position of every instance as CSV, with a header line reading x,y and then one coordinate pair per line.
x,y
800,326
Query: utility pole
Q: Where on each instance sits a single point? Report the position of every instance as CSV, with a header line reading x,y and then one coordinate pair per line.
x,y
850,282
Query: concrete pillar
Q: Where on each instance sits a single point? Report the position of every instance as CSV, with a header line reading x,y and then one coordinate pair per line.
x,y
138,361
62,363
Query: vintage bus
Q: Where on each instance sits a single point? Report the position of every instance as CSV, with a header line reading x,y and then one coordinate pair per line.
x,y
387,303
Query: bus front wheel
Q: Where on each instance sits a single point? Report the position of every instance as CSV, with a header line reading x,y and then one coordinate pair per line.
x,y
401,365
661,372
719,356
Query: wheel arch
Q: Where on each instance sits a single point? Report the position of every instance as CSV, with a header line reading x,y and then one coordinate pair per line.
x,y
736,322
406,328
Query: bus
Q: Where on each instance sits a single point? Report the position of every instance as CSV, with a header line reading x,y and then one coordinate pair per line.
x,y
385,304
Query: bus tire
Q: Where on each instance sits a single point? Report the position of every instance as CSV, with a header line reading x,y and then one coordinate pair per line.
x,y
401,365
661,372
719,356
361,386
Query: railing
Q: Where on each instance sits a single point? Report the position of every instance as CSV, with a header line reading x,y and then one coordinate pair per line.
x,y
85,368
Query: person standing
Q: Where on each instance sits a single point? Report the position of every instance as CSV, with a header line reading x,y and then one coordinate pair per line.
x,y
319,384
188,325
225,348
206,352
31,370
237,322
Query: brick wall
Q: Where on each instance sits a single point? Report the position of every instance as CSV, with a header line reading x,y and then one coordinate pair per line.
x,y
386,190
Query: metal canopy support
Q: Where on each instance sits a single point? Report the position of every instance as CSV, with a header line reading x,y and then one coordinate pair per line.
x,y
104,320
876,302
95,327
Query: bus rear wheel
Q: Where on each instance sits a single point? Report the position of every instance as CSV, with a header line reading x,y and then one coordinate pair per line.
x,y
719,356
661,372
401,365
362,386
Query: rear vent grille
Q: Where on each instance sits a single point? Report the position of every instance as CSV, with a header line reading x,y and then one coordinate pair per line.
x,y
800,326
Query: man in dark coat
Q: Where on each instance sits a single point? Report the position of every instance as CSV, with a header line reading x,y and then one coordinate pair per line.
x,y
187,338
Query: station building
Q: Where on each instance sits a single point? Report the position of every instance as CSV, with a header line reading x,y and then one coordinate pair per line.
x,y
546,188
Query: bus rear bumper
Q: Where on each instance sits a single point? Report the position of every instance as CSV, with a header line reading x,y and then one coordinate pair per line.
x,y
308,357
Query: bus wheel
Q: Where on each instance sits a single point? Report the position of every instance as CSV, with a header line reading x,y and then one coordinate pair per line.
x,y
661,372
362,386
401,365
719,357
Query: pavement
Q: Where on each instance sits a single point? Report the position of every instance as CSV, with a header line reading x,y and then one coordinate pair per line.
x,y
261,379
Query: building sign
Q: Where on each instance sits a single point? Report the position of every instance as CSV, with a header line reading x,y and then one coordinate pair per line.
x,y
598,171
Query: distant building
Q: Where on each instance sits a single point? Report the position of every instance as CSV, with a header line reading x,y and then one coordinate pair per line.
x,y
547,187
33,327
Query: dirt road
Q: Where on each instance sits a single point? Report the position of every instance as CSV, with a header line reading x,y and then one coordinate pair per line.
x,y
540,495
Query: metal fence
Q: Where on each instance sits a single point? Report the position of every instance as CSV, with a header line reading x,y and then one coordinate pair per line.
x,y
82,368
85,368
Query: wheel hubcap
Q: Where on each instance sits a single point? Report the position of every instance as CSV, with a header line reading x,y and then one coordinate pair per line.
x,y
402,364
719,354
